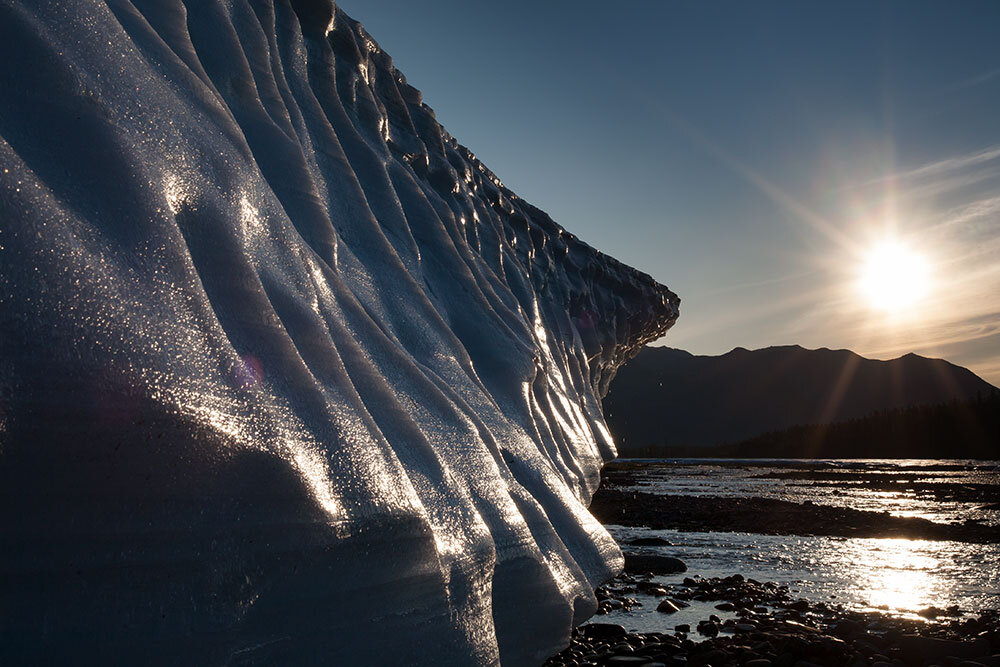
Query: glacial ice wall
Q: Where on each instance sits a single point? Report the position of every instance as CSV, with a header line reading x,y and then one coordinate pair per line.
x,y
287,376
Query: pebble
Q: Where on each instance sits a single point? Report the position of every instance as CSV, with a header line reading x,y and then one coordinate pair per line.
x,y
708,628
667,607
603,630
654,563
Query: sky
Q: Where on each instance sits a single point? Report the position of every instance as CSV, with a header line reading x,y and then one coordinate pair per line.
x,y
750,156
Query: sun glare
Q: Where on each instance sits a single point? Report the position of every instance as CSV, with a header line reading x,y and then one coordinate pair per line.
x,y
893,277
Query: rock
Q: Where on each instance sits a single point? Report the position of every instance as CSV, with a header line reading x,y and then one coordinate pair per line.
x,y
915,648
794,626
711,657
667,607
622,660
649,648
683,627
708,629
786,659
846,629
659,652
757,662
651,588
654,563
603,631
745,627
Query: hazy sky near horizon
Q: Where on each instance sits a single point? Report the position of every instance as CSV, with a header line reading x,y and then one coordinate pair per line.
x,y
747,155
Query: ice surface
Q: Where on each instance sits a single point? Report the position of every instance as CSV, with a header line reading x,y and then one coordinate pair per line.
x,y
287,376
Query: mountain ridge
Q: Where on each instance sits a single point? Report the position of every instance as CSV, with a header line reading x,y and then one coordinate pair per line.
x,y
711,400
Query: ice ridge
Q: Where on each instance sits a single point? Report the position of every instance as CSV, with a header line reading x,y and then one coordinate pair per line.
x,y
287,376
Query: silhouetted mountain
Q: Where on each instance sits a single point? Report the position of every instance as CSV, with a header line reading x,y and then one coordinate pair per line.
x,y
669,397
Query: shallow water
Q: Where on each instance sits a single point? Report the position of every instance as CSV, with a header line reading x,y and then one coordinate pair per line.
x,y
841,483
897,576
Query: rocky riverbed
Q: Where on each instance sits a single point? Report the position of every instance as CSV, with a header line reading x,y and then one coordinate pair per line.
x,y
841,563
767,625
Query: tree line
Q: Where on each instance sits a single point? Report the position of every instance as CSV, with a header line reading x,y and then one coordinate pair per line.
x,y
956,429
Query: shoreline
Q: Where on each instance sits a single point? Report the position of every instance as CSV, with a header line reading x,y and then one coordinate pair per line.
x,y
768,626
656,613
618,501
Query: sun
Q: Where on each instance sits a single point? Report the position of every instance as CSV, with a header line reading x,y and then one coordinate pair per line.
x,y
893,277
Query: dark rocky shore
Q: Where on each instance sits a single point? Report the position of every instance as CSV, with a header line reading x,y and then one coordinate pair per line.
x,y
771,627
740,622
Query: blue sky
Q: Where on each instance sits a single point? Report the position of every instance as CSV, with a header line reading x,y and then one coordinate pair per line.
x,y
747,155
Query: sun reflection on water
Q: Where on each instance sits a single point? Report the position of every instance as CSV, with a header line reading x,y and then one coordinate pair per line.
x,y
898,574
